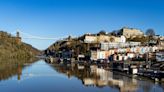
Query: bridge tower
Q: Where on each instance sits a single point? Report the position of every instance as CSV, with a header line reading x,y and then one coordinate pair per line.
x,y
18,38
17,34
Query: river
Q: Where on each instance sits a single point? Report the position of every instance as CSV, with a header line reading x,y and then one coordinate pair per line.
x,y
40,76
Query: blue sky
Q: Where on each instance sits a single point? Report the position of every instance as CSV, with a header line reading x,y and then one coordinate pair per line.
x,y
60,18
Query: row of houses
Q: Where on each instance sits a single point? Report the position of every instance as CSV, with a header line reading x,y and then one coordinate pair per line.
x,y
123,53
112,45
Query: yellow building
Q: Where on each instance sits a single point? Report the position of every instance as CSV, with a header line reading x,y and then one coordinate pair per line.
x,y
101,38
131,32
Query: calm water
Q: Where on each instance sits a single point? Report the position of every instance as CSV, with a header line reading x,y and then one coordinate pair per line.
x,y
42,77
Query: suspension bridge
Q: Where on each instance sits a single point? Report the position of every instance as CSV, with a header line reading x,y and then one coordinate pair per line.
x,y
25,35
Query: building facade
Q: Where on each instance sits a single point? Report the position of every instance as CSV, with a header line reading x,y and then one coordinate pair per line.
x,y
131,32
103,38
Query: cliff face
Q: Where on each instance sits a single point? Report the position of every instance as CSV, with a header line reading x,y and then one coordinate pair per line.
x,y
12,47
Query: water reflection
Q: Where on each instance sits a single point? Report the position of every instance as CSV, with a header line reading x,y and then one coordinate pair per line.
x,y
40,76
11,67
99,77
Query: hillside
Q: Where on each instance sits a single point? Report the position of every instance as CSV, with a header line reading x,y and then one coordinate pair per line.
x,y
83,45
13,47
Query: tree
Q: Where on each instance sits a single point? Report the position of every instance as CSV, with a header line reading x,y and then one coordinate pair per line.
x,y
150,32
114,33
102,32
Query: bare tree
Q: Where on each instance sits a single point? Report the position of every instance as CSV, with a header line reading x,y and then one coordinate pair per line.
x,y
150,32
114,33
102,32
